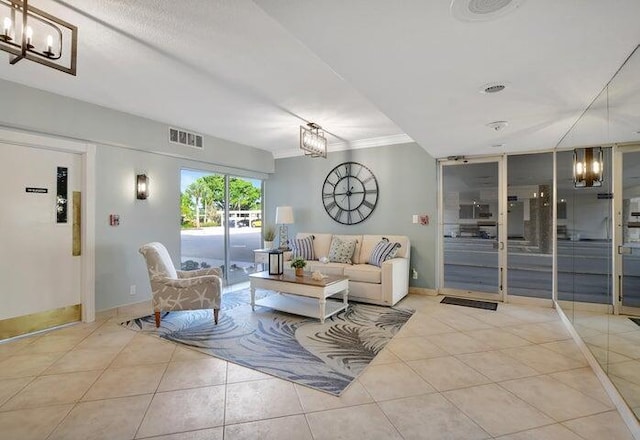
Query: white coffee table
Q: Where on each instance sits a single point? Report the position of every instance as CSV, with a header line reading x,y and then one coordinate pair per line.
x,y
301,295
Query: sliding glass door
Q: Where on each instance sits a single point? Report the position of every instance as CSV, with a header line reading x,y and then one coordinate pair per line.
x,y
221,223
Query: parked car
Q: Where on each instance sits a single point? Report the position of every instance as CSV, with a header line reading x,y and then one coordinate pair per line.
x,y
242,223
256,223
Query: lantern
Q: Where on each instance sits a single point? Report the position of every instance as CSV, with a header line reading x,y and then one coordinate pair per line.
x,y
276,262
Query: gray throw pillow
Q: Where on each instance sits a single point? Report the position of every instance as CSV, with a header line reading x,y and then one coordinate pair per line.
x,y
341,251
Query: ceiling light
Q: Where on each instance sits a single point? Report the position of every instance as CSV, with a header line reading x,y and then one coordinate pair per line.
x,y
498,145
482,10
313,141
32,34
588,167
497,125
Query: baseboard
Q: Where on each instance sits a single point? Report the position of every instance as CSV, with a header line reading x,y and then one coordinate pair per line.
x,y
34,322
134,310
422,291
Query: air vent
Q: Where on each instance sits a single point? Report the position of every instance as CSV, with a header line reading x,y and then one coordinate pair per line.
x,y
183,137
482,10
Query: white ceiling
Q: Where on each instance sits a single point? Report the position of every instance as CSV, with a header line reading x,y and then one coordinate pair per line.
x,y
371,72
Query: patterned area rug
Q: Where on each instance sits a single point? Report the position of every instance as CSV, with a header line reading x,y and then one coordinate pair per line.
x,y
327,357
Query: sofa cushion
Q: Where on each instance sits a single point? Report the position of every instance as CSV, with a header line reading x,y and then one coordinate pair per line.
x,y
383,251
321,243
370,241
341,251
356,252
363,273
303,247
327,268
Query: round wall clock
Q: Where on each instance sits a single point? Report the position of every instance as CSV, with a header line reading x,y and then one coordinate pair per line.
x,y
350,193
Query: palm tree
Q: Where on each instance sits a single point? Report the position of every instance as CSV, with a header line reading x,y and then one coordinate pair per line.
x,y
199,191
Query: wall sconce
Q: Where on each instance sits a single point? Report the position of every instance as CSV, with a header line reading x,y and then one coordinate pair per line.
x,y
276,262
588,167
32,34
142,186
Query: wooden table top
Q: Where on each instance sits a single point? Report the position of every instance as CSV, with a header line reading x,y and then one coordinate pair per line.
x,y
289,277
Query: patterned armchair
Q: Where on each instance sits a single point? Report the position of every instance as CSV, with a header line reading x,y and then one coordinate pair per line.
x,y
180,290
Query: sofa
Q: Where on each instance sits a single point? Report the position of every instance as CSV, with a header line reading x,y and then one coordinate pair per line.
x,y
383,285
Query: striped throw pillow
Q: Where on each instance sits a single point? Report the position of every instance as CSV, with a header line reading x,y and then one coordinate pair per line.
x,y
383,251
303,248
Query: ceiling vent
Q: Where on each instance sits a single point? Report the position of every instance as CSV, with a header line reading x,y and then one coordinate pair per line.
x,y
493,87
183,137
482,10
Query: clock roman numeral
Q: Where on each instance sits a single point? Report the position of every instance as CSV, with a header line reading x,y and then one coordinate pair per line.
x,y
327,195
368,204
331,205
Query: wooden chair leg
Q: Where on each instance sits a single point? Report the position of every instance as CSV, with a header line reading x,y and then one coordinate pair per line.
x,y
157,319
215,315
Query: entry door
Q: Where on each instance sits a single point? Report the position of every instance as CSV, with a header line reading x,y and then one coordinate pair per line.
x,y
37,268
628,246
472,238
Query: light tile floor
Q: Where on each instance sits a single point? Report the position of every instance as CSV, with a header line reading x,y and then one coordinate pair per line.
x,y
451,373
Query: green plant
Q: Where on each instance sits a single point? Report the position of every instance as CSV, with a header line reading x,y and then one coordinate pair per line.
x,y
298,263
269,233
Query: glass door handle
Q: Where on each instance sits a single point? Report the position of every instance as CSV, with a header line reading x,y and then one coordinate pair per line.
x,y
624,250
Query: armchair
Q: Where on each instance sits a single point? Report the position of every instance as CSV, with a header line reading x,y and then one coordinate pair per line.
x,y
180,290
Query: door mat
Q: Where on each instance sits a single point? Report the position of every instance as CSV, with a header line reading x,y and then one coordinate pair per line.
x,y
635,320
486,305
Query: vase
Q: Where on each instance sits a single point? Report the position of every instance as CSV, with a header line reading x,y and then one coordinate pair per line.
x,y
299,271
267,244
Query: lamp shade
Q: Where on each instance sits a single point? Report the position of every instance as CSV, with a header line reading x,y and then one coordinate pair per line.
x,y
284,215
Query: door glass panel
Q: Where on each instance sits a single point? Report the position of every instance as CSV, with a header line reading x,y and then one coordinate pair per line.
x,y
631,229
470,194
530,225
584,235
201,207
245,226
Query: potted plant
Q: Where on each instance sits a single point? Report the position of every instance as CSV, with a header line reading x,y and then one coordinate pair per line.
x,y
298,263
268,235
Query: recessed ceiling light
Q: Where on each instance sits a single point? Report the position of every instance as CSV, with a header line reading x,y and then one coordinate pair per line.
x,y
482,10
498,145
494,87
497,125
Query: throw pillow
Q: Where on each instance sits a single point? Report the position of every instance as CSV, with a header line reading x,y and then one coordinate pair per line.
x,y
303,248
383,251
341,251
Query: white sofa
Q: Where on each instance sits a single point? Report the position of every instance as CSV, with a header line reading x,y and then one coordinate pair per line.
x,y
384,285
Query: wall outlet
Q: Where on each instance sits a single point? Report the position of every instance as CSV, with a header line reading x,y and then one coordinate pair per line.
x,y
414,274
132,289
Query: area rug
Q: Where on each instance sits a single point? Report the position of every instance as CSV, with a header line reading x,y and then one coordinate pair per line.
x,y
486,305
327,357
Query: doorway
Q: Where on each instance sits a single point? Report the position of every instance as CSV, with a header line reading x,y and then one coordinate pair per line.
x,y
472,237
45,265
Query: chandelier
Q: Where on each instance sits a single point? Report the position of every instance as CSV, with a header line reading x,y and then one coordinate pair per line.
x,y
588,167
32,34
312,140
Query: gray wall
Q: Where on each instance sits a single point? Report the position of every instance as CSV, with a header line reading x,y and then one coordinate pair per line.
x,y
407,184
126,146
